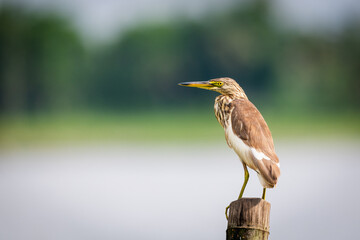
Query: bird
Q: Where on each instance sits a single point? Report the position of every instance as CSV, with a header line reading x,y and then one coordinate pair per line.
x,y
246,131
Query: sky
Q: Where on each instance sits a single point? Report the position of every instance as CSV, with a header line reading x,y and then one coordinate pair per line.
x,y
100,20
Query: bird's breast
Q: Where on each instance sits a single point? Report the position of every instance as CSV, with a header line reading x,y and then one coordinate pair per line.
x,y
222,108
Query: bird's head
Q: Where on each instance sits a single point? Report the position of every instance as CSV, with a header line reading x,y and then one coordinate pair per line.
x,y
225,86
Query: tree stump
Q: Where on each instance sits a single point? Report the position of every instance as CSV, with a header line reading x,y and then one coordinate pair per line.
x,y
248,219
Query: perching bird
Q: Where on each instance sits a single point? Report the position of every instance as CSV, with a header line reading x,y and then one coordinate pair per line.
x,y
246,131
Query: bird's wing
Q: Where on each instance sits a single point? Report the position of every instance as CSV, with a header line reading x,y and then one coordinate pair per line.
x,y
248,124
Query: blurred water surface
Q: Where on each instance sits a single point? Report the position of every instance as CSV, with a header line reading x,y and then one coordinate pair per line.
x,y
173,192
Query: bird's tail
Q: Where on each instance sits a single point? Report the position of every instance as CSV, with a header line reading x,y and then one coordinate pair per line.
x,y
268,172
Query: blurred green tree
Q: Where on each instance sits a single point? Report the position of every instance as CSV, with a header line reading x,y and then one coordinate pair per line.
x,y
44,65
41,62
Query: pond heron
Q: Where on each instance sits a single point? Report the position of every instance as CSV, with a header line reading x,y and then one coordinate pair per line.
x,y
246,131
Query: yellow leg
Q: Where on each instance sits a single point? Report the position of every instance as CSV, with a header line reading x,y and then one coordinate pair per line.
x,y
246,176
264,191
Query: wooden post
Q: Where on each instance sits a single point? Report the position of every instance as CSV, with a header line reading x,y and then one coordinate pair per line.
x,y
248,219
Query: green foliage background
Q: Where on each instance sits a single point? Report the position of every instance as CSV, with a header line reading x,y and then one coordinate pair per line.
x,y
47,70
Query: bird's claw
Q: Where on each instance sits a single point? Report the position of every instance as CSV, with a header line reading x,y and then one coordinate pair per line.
x,y
226,211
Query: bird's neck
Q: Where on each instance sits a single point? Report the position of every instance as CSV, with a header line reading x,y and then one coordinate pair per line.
x,y
240,95
236,92
236,95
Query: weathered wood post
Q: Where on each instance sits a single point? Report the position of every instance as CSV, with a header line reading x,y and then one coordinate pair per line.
x,y
248,219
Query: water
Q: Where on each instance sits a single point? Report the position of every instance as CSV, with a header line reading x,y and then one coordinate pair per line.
x,y
173,192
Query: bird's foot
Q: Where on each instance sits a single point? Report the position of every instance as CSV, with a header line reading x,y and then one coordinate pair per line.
x,y
226,212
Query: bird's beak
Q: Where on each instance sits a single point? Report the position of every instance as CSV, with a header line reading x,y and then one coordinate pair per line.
x,y
203,84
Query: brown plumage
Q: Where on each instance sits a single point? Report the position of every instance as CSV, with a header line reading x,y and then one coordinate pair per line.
x,y
249,125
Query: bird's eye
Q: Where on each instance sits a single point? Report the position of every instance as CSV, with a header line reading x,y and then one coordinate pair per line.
x,y
217,84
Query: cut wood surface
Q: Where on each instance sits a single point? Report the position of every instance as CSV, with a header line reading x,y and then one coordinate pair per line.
x,y
249,219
